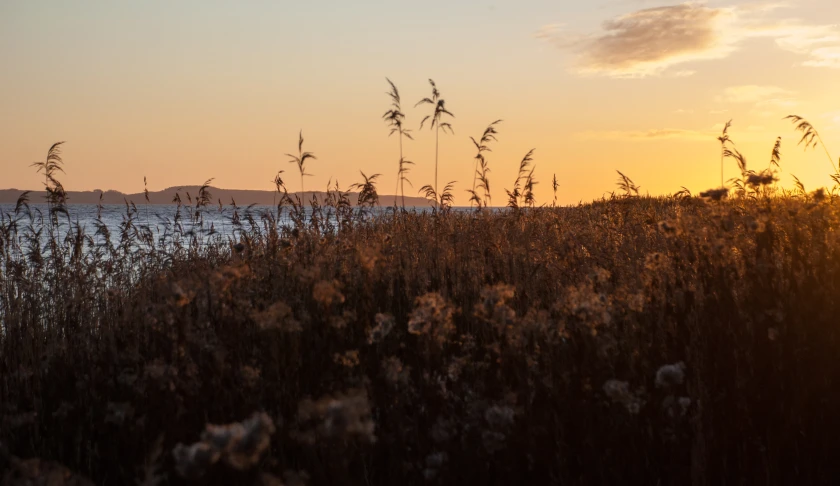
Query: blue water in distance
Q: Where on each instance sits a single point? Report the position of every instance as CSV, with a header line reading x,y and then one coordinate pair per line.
x,y
160,218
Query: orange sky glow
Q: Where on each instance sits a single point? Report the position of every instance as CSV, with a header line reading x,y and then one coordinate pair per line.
x,y
182,92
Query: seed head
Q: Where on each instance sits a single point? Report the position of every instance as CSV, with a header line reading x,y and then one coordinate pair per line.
x,y
670,375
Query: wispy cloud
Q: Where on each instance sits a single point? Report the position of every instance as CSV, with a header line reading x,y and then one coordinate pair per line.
x,y
684,73
647,41
752,94
819,43
774,107
777,103
832,117
648,135
767,101
650,41
704,135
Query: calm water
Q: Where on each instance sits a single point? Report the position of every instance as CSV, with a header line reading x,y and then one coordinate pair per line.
x,y
160,219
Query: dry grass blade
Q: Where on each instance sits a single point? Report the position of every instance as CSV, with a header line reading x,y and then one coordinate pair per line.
x,y
22,202
53,163
739,158
300,161
724,140
683,193
776,154
204,196
626,184
482,145
447,197
367,190
528,188
800,187
395,117
516,193
810,137
437,124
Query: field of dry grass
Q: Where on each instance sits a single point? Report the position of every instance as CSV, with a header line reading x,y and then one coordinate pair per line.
x,y
634,340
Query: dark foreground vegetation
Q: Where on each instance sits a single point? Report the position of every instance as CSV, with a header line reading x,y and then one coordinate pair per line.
x,y
666,341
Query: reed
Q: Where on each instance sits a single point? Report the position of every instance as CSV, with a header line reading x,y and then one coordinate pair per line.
x,y
627,185
395,118
724,141
631,340
811,137
300,161
481,169
437,124
525,175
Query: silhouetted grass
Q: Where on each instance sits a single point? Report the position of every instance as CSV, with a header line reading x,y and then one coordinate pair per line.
x,y
634,340
446,347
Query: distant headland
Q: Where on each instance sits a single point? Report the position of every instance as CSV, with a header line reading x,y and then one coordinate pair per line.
x,y
242,197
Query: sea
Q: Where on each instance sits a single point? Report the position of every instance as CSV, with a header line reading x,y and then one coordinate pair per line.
x,y
160,219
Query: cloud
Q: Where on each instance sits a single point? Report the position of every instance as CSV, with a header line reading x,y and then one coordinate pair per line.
x,y
767,101
833,117
650,41
824,57
684,73
752,94
751,132
647,41
819,43
777,103
559,37
774,107
648,135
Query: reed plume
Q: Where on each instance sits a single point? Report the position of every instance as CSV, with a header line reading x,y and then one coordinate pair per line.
x,y
300,161
482,145
810,137
367,190
776,154
626,184
394,118
442,201
279,185
437,124
515,195
51,166
724,140
741,160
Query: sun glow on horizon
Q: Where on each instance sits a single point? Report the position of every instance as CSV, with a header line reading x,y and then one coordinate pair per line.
x,y
182,93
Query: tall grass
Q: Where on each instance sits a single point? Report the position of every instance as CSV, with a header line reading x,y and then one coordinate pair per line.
x,y
724,142
300,161
395,118
436,123
634,340
481,169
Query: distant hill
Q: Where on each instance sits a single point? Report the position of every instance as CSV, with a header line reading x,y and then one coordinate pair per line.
x,y
242,197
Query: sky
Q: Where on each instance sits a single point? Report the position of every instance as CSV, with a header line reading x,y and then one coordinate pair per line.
x,y
180,92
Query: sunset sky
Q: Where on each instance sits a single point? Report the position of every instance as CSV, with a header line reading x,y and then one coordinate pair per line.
x,y
184,91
